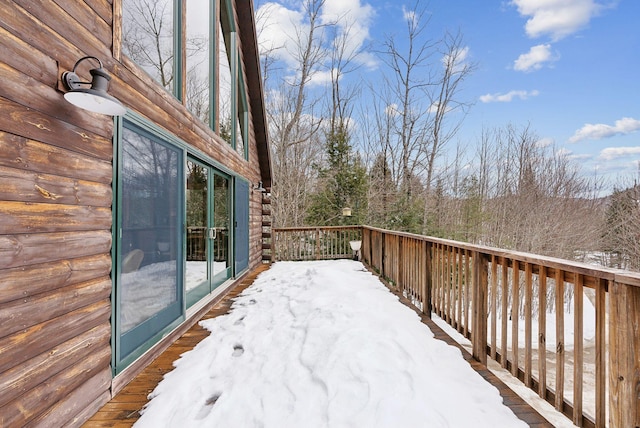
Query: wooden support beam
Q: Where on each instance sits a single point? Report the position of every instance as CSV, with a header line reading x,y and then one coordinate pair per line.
x,y
480,290
624,356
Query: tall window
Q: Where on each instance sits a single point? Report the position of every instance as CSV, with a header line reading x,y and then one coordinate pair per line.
x,y
225,83
198,59
148,37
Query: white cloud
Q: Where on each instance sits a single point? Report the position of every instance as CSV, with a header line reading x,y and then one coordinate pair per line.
x,y
277,28
617,152
457,57
598,131
545,142
509,96
534,59
556,18
392,110
410,16
352,19
320,78
280,25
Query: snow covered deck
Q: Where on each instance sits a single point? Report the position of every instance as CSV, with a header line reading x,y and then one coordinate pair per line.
x,y
316,344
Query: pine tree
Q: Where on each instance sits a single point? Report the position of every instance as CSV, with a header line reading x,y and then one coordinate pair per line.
x,y
342,184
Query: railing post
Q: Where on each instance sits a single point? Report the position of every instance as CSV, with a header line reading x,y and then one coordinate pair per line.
x,y
624,355
426,303
479,301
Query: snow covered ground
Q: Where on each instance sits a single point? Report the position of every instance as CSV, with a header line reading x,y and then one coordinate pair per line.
x,y
323,344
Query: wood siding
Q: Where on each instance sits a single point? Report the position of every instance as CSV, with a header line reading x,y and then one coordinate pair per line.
x,y
56,200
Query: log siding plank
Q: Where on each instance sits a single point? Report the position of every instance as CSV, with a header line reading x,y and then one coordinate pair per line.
x,y
29,251
19,314
26,344
25,217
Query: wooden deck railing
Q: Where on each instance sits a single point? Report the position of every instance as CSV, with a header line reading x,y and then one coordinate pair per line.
x,y
314,243
506,303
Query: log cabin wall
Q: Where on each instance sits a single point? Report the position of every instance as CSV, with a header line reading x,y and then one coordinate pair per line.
x,y
57,196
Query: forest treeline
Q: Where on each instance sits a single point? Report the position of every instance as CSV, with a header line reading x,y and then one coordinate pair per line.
x,y
390,150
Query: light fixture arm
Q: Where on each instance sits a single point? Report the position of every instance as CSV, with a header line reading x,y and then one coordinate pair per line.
x,y
72,81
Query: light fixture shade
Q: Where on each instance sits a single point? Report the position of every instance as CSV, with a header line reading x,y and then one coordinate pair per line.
x,y
95,101
95,98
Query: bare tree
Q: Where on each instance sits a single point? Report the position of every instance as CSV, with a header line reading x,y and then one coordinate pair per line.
x,y
148,37
295,116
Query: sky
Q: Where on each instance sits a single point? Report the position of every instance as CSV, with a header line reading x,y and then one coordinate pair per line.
x,y
323,344
568,69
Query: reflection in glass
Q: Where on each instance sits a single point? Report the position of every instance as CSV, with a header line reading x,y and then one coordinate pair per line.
x,y
224,87
150,238
221,224
197,225
197,58
239,137
147,37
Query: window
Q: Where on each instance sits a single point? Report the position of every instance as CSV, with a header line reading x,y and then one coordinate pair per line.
x,y
198,62
148,37
226,95
212,87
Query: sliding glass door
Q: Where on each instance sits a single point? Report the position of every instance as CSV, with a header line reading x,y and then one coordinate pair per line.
x,y
149,240
173,236
207,232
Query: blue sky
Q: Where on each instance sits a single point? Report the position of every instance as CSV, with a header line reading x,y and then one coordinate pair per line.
x,y
568,68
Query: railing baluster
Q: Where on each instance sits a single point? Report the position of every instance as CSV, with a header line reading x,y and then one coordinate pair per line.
x,y
578,351
451,269
515,314
601,343
542,335
505,311
528,315
494,304
459,288
467,294
559,404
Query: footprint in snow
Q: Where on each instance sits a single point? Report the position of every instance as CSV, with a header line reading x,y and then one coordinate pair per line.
x,y
208,405
238,350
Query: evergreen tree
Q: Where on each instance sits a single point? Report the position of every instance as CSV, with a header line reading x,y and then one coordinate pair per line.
x,y
342,183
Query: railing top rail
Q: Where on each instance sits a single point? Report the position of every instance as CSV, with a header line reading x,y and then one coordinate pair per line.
x,y
308,228
618,275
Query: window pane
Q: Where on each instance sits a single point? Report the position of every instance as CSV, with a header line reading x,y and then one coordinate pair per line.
x,y
151,238
224,88
197,57
147,37
197,224
221,223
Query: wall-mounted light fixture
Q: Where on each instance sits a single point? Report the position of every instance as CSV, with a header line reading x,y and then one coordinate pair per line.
x,y
258,188
95,98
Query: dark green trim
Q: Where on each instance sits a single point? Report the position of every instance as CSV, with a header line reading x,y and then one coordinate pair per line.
x,y
178,52
144,347
243,113
116,221
213,62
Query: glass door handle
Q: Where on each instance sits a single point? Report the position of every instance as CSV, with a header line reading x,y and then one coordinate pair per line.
x,y
212,233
